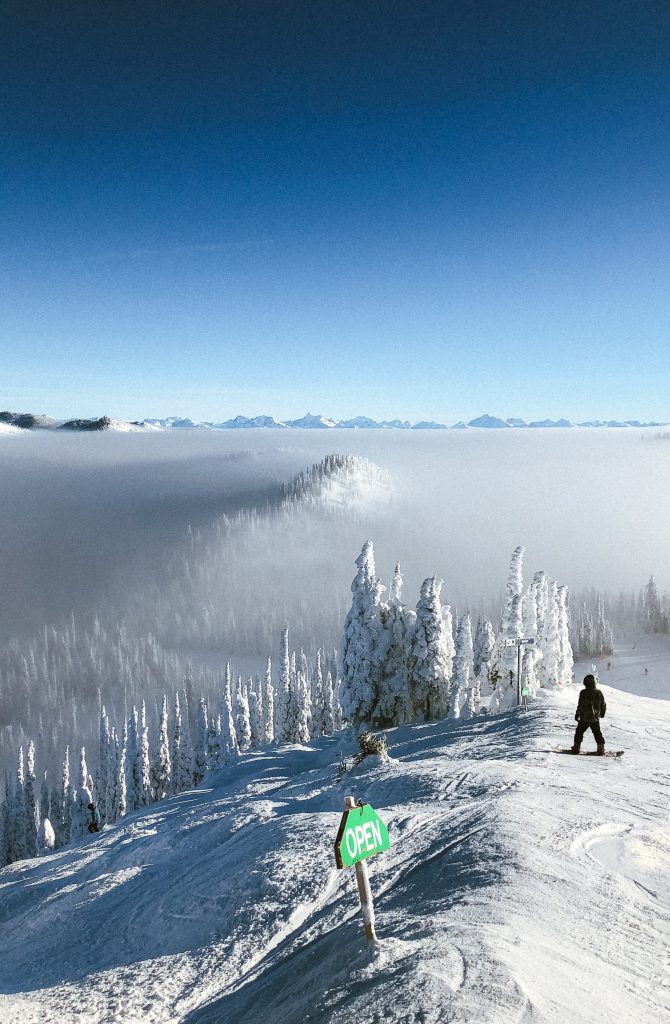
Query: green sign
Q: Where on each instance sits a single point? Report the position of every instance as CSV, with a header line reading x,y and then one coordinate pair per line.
x,y
362,834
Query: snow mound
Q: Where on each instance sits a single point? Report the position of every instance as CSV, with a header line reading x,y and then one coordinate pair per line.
x,y
521,885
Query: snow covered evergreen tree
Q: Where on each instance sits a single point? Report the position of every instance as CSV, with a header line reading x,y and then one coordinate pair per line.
x,y
360,669
429,667
145,760
392,704
18,841
199,766
162,767
282,712
242,724
83,797
463,671
103,765
32,814
67,800
268,705
255,719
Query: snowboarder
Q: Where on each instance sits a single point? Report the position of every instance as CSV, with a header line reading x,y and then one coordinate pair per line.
x,y
95,824
590,709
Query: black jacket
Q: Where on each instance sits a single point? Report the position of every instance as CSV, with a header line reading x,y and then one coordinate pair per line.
x,y
591,706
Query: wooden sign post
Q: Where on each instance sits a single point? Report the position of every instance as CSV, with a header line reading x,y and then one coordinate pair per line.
x,y
361,834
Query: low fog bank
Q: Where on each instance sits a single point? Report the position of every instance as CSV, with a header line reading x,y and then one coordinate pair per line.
x,y
86,516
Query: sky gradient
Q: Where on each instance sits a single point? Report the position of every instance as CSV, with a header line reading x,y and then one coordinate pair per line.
x,y
424,210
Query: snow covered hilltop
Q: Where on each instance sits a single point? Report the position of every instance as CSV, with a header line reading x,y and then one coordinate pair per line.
x,y
29,421
521,885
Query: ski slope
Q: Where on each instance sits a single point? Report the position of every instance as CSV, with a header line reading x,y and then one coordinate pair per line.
x,y
522,886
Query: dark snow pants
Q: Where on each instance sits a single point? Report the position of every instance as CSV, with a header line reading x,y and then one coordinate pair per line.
x,y
581,729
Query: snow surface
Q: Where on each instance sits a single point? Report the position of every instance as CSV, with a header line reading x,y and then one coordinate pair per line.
x,y
522,884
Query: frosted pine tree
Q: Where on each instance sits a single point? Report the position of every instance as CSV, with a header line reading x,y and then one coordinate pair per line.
x,y
133,763
199,767
162,769
487,642
392,705
32,813
67,800
229,751
463,670
359,649
429,666
145,760
318,698
255,720
282,724
268,705
83,797
46,838
241,710
550,645
18,842
328,706
565,657
103,764
185,759
45,799
177,781
121,790
213,731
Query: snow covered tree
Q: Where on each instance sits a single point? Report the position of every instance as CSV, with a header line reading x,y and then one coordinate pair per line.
x,y
318,706
229,749
199,767
429,667
185,759
255,718
32,814
66,801
328,706
463,670
162,767
242,724
282,724
392,704
145,760
360,669
550,642
565,657
103,765
46,838
133,763
120,789
18,842
268,705
45,799
83,797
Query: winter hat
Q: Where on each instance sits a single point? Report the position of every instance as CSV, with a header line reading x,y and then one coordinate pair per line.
x,y
589,681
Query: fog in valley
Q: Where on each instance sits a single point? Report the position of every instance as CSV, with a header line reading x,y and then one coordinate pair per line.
x,y
151,542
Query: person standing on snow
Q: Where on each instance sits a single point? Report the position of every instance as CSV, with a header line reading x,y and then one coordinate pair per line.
x,y
590,709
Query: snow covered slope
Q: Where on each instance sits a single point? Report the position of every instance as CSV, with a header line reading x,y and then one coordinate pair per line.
x,y
522,885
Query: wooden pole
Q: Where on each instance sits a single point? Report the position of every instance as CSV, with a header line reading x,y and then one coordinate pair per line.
x,y
364,890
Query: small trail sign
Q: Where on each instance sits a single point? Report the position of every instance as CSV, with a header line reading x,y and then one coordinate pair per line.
x,y
362,833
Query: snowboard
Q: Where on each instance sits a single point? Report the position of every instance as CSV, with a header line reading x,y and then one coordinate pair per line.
x,y
591,753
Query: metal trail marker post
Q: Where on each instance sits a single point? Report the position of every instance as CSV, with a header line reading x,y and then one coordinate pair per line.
x,y
361,834
519,642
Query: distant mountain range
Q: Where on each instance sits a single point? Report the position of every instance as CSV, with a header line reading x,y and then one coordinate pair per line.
x,y
29,421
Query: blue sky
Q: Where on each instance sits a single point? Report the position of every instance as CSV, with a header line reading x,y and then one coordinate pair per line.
x,y
415,210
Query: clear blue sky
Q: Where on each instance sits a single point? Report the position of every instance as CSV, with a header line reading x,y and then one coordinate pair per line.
x,y
417,209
